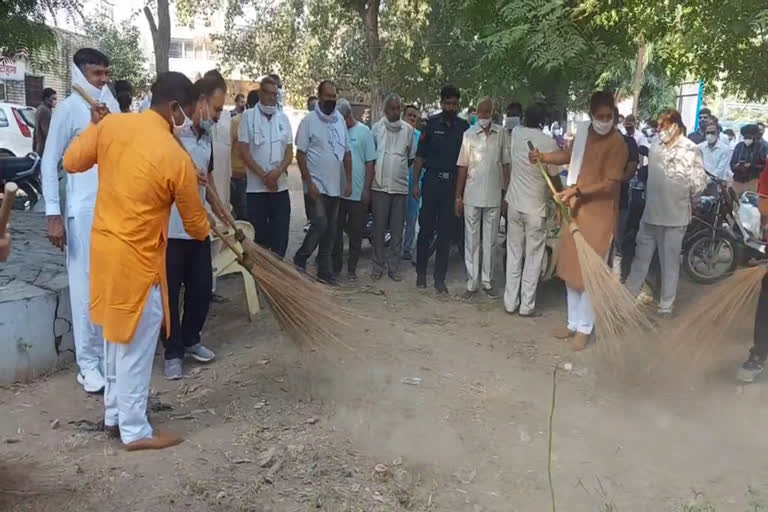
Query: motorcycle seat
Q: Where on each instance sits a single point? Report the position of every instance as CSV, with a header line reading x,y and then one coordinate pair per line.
x,y
13,168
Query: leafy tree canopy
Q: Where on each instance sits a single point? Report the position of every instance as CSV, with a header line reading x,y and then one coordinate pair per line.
x,y
22,25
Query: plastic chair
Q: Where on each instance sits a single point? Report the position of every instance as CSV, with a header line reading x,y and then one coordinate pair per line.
x,y
226,263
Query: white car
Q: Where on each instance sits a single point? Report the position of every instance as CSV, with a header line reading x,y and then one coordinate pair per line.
x,y
17,127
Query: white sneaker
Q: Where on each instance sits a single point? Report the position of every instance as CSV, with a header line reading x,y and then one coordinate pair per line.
x,y
91,380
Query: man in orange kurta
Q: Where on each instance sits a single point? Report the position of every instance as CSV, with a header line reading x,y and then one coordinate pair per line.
x,y
142,171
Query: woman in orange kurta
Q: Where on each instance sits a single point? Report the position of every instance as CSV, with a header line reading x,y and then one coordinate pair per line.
x,y
142,171
594,203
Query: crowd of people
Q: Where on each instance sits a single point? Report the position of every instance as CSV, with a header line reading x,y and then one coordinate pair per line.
x,y
126,193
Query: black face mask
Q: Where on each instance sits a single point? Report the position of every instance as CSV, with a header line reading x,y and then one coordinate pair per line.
x,y
630,130
327,106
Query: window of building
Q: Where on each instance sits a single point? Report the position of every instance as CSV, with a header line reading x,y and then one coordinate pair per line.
x,y
189,50
175,51
3,96
200,49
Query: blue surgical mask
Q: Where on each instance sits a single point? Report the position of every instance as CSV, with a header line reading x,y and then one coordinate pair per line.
x,y
206,123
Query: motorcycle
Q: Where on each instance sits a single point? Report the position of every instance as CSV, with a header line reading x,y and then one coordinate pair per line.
x,y
25,172
716,240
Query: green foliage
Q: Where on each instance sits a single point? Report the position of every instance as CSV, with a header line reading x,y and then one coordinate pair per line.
x,y
121,44
22,28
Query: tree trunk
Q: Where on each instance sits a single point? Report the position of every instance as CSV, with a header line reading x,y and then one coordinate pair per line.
x,y
369,13
637,80
161,34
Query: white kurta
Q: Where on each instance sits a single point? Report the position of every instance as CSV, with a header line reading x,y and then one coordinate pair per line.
x,y
69,118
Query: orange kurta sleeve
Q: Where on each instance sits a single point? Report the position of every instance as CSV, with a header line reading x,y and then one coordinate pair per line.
x,y
187,196
82,153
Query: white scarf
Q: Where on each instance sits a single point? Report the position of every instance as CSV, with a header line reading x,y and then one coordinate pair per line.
x,y
103,95
577,152
336,132
393,126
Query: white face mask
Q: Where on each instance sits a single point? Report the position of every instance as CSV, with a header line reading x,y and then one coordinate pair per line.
x,y
602,127
267,109
711,138
511,121
748,142
484,123
666,135
185,126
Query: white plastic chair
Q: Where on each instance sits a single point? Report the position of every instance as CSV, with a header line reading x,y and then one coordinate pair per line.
x,y
226,263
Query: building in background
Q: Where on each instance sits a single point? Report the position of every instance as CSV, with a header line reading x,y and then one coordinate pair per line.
x,y
23,81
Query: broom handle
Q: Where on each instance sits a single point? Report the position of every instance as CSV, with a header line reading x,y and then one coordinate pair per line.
x,y
563,208
87,97
227,242
5,208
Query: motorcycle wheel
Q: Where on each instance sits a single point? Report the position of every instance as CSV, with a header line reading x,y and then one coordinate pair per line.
x,y
706,261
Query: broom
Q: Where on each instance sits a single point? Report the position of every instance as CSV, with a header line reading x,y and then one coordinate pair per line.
x,y
704,324
616,311
305,309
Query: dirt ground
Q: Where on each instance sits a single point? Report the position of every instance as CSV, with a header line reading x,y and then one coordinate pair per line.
x,y
270,429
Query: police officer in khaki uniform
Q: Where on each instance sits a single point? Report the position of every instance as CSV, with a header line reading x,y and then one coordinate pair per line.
x,y
438,152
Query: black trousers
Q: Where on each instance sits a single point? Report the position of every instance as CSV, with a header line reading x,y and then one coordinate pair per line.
x,y
352,218
188,262
437,215
759,349
270,215
324,219
635,206
237,197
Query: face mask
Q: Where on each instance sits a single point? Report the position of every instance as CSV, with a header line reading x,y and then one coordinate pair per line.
x,y
267,109
186,124
393,126
511,121
711,138
666,135
484,123
473,120
328,106
748,142
558,132
630,129
207,123
602,127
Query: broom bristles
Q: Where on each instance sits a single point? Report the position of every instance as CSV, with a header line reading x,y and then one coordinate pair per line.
x,y
616,311
708,322
306,309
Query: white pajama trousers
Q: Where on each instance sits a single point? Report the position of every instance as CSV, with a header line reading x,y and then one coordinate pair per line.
x,y
89,343
526,243
129,371
475,218
581,315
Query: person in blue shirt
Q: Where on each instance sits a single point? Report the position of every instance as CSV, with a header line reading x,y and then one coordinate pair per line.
x,y
353,210
411,116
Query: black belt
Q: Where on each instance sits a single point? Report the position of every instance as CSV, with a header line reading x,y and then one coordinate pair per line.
x,y
441,175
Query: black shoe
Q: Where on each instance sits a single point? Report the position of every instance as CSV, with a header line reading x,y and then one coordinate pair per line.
x,y
376,275
421,281
490,293
352,276
395,277
407,255
441,288
750,370
330,280
468,295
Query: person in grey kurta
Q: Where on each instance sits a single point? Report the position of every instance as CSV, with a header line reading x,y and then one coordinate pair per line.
x,y
675,176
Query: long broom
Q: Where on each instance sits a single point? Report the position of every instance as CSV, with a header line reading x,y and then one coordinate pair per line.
x,y
696,339
305,309
616,311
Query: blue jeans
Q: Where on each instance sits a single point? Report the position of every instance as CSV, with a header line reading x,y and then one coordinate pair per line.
x,y
411,215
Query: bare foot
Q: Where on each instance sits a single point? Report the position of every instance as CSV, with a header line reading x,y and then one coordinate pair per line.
x,y
563,333
579,341
158,441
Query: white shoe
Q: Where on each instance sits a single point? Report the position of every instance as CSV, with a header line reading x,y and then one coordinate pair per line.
x,y
91,380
